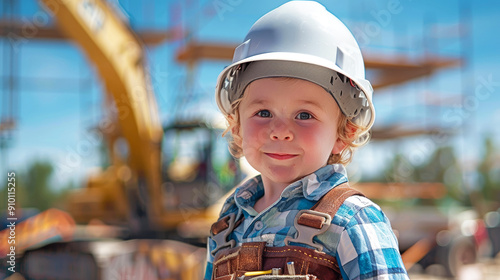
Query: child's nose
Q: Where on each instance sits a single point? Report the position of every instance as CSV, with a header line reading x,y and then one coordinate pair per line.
x,y
281,131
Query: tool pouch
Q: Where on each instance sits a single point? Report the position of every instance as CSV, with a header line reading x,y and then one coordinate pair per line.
x,y
233,263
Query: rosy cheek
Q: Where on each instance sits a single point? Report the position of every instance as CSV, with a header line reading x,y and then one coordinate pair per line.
x,y
307,138
256,131
247,134
312,136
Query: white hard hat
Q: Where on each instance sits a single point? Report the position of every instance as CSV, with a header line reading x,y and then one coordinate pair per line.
x,y
301,39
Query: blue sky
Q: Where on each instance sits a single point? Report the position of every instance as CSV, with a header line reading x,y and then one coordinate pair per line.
x,y
60,96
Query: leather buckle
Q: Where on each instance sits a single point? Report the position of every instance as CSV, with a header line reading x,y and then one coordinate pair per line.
x,y
221,237
305,234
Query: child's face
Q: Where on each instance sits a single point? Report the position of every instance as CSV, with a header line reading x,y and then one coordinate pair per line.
x,y
288,128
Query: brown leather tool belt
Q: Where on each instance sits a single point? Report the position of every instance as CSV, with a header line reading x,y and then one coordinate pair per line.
x,y
257,260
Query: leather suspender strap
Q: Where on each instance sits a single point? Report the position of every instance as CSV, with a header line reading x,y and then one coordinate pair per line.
x,y
328,204
315,221
309,223
231,263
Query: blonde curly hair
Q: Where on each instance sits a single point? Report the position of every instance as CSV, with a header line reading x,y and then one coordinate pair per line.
x,y
350,133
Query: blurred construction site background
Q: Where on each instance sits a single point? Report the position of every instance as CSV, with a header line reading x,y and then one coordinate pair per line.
x,y
112,163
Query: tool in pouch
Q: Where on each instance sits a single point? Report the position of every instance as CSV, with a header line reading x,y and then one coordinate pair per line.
x,y
280,277
275,273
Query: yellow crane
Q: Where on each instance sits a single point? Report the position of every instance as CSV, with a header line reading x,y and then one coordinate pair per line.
x,y
118,56
130,189
130,192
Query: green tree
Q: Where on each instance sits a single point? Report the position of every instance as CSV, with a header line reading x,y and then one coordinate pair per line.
x,y
34,189
444,167
399,170
489,172
441,166
38,192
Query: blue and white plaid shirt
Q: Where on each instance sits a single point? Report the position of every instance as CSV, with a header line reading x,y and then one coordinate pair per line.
x,y
360,235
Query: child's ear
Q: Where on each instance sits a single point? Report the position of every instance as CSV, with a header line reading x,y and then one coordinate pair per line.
x,y
338,147
350,132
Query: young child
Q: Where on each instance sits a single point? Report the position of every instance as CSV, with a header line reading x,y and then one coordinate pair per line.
x,y
297,104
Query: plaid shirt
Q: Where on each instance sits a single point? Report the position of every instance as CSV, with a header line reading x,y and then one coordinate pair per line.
x,y
360,235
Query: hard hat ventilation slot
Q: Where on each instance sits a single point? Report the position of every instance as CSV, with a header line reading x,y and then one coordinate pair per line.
x,y
353,103
341,76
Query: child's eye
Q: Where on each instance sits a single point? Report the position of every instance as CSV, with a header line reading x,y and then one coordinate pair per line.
x,y
304,116
264,114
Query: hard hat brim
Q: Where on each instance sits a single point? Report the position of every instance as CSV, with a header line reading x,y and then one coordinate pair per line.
x,y
223,100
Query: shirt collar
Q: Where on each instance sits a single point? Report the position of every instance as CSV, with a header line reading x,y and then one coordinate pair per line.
x,y
317,184
313,186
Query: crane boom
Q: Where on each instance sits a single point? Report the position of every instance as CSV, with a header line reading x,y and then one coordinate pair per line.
x,y
131,190
119,57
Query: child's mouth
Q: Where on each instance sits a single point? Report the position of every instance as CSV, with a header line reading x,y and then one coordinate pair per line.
x,y
280,156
